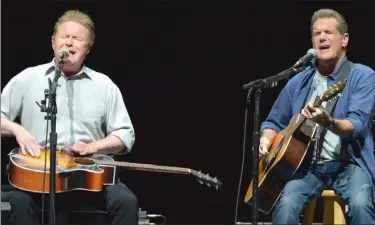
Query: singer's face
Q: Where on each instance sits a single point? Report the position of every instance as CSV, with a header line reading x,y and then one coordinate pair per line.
x,y
76,38
327,40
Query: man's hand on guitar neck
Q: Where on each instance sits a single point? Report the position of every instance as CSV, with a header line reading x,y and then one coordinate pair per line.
x,y
342,128
317,114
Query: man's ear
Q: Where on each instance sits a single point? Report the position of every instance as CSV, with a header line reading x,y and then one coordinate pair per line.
x,y
89,47
53,42
345,40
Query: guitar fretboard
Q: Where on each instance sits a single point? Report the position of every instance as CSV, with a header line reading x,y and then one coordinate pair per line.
x,y
146,167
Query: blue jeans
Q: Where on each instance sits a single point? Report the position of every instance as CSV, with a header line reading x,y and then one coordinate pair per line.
x,y
349,181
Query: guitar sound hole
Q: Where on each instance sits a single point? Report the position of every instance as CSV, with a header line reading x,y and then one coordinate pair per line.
x,y
83,161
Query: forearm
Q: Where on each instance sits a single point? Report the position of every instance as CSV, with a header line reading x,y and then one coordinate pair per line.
x,y
343,128
9,128
108,145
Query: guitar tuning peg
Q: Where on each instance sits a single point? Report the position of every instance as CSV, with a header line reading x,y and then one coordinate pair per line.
x,y
209,185
200,182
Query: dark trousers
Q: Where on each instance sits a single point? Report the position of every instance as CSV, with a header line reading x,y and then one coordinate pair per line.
x,y
118,200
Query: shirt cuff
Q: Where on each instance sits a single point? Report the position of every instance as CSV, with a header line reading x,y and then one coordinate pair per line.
x,y
127,137
269,125
357,126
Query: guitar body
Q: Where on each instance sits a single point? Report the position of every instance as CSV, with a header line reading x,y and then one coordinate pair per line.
x,y
72,173
284,158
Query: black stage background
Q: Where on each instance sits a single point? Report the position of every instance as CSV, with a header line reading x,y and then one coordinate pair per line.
x,y
180,66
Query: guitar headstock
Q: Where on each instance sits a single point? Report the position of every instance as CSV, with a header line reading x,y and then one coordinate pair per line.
x,y
206,179
332,92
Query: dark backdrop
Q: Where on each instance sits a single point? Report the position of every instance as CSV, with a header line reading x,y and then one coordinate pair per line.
x,y
180,66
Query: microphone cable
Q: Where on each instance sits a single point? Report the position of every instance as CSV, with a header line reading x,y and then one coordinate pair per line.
x,y
242,163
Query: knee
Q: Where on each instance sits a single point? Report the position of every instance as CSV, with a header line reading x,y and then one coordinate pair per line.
x,y
127,200
361,200
19,200
288,202
285,206
291,204
120,197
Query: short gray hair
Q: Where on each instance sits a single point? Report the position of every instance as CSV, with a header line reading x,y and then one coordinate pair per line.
x,y
342,26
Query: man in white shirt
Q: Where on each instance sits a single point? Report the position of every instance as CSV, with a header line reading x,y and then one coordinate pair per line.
x,y
91,118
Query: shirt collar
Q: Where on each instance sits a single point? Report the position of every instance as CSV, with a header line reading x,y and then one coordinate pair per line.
x,y
83,73
335,73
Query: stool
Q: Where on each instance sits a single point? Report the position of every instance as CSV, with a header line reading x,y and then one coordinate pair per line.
x,y
333,211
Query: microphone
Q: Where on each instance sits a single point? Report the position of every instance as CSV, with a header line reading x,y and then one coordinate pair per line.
x,y
63,54
272,81
310,55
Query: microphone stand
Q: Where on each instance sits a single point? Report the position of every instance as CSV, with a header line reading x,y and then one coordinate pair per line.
x,y
51,111
255,87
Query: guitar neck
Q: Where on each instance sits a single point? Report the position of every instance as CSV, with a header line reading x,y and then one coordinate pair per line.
x,y
146,167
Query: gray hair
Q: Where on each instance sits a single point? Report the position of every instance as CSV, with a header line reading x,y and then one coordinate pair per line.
x,y
342,26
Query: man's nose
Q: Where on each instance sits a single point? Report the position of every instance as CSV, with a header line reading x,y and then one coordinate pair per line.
x,y
322,36
69,41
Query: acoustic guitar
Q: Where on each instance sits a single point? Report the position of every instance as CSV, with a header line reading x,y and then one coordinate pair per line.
x,y
285,156
74,172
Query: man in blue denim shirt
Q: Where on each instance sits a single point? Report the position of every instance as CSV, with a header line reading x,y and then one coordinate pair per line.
x,y
345,161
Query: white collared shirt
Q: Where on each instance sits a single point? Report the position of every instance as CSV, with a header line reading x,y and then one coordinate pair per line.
x,y
89,106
